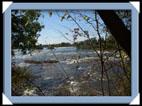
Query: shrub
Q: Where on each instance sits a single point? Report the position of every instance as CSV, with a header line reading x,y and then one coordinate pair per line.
x,y
21,78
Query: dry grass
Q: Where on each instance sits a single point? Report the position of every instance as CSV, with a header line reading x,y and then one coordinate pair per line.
x,y
21,78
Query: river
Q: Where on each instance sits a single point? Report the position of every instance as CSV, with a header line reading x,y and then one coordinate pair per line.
x,y
72,64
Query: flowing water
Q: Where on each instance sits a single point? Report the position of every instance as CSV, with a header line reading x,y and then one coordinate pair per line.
x,y
71,63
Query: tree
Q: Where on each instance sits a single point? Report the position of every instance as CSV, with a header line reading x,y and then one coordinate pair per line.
x,y
117,28
25,29
125,16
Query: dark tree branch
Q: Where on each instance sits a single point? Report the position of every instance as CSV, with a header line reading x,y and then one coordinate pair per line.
x,y
117,29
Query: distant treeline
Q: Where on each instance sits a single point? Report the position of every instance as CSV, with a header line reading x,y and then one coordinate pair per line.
x,y
52,46
108,43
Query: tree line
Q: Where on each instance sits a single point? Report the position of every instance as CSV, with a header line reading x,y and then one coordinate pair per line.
x,y
108,43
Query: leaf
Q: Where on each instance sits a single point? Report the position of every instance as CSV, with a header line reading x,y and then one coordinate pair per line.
x,y
74,37
62,18
86,18
76,30
50,13
26,23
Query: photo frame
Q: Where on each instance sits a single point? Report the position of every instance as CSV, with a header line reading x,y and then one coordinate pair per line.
x,y
133,6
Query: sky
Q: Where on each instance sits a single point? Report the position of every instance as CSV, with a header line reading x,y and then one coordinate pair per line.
x,y
55,31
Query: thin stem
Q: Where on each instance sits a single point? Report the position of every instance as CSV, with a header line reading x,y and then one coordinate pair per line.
x,y
123,64
85,34
101,53
108,80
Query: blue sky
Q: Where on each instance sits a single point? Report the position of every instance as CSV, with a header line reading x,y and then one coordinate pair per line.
x,y
54,28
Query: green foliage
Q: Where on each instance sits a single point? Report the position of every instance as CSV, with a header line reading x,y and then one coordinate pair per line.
x,y
86,18
63,44
39,47
52,46
108,44
25,29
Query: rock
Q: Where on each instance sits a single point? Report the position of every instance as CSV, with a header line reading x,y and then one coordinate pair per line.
x,y
30,92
